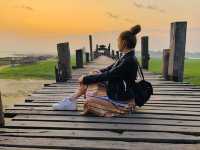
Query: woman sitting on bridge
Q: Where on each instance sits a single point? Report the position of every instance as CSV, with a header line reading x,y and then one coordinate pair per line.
x,y
109,99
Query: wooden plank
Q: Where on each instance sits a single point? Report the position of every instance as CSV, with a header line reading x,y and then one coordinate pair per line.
x,y
17,110
105,120
168,108
152,108
152,100
89,144
12,112
189,104
20,148
103,127
159,137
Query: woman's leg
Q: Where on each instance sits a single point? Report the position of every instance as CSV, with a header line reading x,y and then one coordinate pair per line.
x,y
79,92
83,88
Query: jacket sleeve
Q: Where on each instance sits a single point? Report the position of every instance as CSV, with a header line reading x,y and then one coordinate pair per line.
x,y
117,72
107,68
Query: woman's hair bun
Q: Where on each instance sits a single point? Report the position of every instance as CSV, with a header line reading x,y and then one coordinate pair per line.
x,y
136,29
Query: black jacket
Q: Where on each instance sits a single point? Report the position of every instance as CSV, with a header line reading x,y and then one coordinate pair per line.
x,y
123,69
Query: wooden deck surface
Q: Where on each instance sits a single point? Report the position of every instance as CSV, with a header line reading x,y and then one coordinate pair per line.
x,y
170,120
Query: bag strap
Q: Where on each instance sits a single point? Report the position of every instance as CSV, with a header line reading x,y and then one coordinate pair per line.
x,y
140,70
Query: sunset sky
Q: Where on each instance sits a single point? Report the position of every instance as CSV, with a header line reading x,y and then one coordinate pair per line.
x,y
28,26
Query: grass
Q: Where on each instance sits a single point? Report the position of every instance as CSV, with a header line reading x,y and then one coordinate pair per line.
x,y
45,70
191,72
39,70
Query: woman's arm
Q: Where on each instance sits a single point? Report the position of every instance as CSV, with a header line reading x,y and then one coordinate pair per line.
x,y
117,72
107,68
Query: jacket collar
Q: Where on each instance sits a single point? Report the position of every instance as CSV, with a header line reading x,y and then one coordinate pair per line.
x,y
131,53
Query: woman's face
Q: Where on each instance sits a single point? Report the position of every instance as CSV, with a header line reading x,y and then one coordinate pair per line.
x,y
120,44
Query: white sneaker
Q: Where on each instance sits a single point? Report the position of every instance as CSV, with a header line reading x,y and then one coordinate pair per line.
x,y
65,104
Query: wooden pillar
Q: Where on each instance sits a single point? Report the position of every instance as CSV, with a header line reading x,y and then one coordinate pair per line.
x,y
145,52
166,55
120,54
177,55
57,73
109,46
117,54
64,62
2,122
79,58
97,51
87,55
113,54
91,53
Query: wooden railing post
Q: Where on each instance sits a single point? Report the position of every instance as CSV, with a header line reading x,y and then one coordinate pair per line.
x,y
2,121
64,63
109,46
117,54
113,54
120,54
166,55
87,56
145,52
177,55
79,58
91,53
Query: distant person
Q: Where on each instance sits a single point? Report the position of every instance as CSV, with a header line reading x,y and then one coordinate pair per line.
x,y
114,84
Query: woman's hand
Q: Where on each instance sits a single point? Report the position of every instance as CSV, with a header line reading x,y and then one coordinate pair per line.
x,y
81,79
95,72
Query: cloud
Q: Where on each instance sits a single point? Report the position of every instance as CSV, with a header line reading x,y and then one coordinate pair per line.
x,y
117,17
29,8
129,20
149,7
25,7
111,15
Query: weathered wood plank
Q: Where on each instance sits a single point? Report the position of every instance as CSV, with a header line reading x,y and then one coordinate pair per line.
x,y
159,137
105,120
76,113
103,127
18,110
20,148
89,144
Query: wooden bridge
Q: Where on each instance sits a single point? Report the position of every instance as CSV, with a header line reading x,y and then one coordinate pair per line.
x,y
170,120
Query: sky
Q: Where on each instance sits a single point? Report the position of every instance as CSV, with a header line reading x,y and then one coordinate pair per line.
x,y
36,26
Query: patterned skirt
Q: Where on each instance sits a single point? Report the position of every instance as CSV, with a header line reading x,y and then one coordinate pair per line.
x,y
101,105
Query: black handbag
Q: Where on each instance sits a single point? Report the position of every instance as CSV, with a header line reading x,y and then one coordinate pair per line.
x,y
142,89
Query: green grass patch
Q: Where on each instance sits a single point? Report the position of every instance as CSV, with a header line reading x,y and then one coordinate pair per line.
x,y
191,72
39,70
155,65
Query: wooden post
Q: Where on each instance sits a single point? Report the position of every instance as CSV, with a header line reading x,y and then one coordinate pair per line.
x,y
113,54
117,54
109,46
87,55
96,52
145,52
177,55
2,121
91,53
64,62
166,55
79,58
57,73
